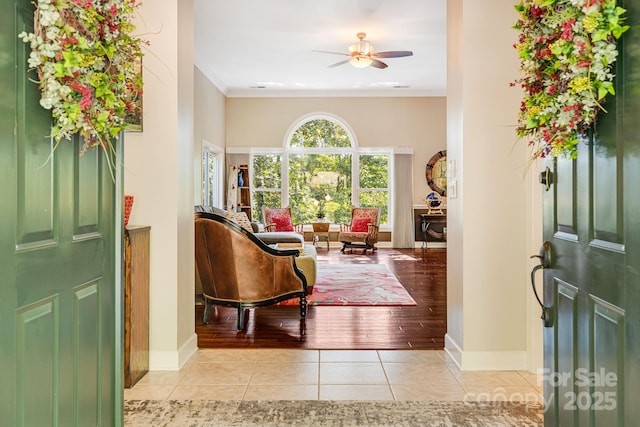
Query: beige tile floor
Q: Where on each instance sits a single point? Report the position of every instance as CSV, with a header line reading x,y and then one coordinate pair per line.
x,y
273,374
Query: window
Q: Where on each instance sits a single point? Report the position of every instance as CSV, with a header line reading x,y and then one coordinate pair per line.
x,y
321,174
320,187
320,133
267,183
374,183
211,175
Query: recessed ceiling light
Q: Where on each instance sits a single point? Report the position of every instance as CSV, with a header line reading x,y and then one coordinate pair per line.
x,y
385,84
270,83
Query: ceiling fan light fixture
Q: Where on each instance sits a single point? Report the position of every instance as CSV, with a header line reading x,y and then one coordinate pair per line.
x,y
362,55
363,47
360,61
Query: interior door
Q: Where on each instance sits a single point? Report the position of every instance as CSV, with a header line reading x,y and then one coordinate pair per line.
x,y
58,268
592,286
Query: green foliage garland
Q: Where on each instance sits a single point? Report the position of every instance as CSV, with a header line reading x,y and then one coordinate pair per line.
x,y
88,65
567,49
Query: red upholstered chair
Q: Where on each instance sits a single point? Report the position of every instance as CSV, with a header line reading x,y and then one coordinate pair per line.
x,y
279,219
362,232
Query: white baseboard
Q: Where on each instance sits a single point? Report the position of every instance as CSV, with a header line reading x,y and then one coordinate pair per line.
x,y
452,349
485,360
420,244
173,360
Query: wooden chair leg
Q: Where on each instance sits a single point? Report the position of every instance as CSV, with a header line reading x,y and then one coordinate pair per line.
x,y
303,306
207,312
240,317
303,326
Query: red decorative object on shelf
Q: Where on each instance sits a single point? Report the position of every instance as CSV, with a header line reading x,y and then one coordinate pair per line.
x,y
128,204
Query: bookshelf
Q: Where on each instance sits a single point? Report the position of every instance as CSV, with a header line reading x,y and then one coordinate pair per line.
x,y
244,190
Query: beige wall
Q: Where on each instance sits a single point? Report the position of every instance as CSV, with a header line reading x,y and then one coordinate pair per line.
x,y
417,122
489,222
209,126
159,174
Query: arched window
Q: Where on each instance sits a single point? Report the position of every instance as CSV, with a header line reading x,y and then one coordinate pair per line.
x,y
321,173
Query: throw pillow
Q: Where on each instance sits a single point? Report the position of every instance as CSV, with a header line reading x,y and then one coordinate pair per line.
x,y
241,219
360,225
283,223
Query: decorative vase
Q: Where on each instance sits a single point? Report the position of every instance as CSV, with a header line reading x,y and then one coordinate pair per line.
x,y
433,199
128,204
240,179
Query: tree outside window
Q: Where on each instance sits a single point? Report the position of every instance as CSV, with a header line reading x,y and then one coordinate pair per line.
x,y
320,187
320,133
317,169
374,183
267,183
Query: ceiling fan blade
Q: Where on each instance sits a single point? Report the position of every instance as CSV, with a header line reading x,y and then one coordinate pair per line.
x,y
339,63
392,54
334,53
378,64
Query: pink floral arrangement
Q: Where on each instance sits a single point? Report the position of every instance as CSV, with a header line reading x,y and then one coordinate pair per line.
x,y
567,51
87,61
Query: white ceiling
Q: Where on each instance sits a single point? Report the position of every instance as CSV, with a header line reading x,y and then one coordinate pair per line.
x,y
242,45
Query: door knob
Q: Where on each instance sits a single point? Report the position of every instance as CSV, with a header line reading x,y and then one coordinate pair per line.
x,y
545,262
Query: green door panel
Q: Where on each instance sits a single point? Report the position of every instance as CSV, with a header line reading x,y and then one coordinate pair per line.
x,y
592,220
59,272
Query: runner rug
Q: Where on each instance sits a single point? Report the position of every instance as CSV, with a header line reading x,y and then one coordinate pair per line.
x,y
356,284
327,413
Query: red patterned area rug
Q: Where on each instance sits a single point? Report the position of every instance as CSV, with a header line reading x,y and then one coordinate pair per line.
x,y
356,284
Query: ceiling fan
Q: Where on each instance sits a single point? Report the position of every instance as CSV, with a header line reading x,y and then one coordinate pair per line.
x,y
362,54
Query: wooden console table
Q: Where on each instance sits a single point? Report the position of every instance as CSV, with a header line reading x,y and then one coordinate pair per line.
x,y
136,303
434,227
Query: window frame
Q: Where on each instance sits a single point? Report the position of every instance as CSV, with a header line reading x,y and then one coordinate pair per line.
x,y
254,189
354,150
386,189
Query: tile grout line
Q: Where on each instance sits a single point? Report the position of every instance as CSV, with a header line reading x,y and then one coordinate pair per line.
x,y
246,387
319,366
181,378
393,395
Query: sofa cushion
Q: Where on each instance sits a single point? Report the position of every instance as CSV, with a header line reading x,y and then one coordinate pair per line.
x,y
282,223
241,219
280,237
307,262
360,225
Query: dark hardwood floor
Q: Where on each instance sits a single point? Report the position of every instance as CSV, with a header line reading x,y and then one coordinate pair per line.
x,y
422,273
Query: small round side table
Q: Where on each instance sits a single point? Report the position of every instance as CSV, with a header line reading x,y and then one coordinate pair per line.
x,y
320,229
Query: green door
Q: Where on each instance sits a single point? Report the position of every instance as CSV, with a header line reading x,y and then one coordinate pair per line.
x,y
59,262
592,222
